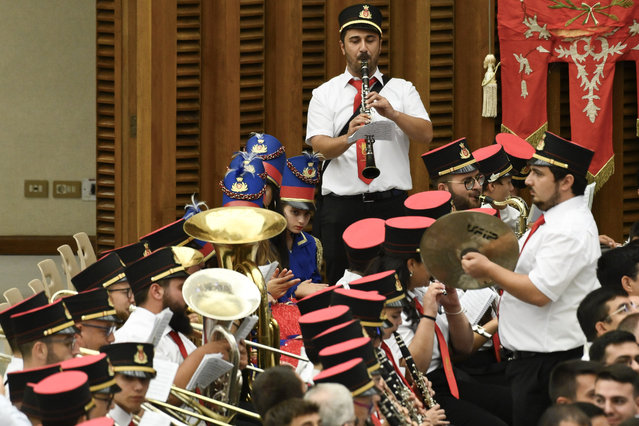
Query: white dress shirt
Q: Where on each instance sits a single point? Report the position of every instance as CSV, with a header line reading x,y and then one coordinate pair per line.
x,y
329,110
560,259
119,416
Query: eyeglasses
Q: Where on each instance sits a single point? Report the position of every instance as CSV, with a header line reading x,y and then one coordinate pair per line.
x,y
128,292
625,307
469,182
68,340
107,330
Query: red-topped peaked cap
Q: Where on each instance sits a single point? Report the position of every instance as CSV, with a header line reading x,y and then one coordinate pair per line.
x,y
63,396
432,204
492,162
315,322
42,322
519,152
454,157
363,241
338,353
103,273
352,374
27,304
98,368
318,300
367,306
557,151
385,283
18,379
338,333
404,233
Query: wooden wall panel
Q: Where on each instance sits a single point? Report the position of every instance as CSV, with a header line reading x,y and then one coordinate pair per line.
x,y
252,65
313,51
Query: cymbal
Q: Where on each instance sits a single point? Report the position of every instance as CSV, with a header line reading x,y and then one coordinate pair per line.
x,y
235,225
447,240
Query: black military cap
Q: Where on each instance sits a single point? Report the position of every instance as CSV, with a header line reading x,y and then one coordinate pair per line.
x,y
42,322
91,304
404,233
492,162
454,157
167,262
363,242
433,204
318,300
103,273
348,330
18,379
519,153
98,368
27,304
385,283
63,396
338,353
317,321
131,358
366,306
131,252
363,16
352,374
170,235
556,151
30,405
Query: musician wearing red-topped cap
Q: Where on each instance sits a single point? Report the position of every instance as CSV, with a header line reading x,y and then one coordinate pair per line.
x,y
555,271
333,115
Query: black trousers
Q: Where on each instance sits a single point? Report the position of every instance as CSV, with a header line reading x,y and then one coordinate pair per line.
x,y
478,404
529,376
336,213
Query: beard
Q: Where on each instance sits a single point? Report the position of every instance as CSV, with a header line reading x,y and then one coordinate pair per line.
x,y
464,202
550,202
179,321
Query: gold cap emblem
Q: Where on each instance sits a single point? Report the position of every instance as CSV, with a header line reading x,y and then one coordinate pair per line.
x,y
464,153
398,284
140,356
365,13
309,171
239,185
260,147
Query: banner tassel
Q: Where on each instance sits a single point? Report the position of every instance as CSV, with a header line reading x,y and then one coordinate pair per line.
x,y
489,86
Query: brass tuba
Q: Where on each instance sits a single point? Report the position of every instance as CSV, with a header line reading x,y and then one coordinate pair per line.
x,y
236,232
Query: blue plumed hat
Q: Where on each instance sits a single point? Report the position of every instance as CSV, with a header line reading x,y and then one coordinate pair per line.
x,y
250,161
242,188
271,151
300,178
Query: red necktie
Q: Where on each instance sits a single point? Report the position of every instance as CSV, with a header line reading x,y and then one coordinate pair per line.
x,y
360,145
389,355
540,221
176,338
443,350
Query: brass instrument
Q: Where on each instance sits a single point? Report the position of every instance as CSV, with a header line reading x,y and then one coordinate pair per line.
x,y
61,293
515,202
370,171
235,233
416,375
186,412
221,296
147,406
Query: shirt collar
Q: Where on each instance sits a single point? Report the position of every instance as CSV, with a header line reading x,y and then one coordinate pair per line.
x,y
561,208
120,416
346,77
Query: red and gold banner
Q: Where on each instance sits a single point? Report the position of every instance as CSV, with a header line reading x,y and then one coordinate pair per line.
x,y
591,36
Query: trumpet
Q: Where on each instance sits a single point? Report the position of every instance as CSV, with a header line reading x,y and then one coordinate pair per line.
x,y
370,171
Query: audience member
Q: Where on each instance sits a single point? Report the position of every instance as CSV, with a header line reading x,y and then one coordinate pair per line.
x,y
573,381
630,324
564,415
602,310
274,385
293,412
616,347
335,404
617,393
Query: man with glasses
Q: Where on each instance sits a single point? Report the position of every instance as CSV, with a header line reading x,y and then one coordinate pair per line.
x,y
94,316
108,273
602,310
45,335
452,168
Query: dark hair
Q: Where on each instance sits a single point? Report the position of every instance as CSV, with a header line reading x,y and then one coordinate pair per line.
x,y
563,377
275,384
556,414
593,309
589,409
629,323
579,184
634,231
622,374
616,263
597,350
386,262
275,190
142,296
283,413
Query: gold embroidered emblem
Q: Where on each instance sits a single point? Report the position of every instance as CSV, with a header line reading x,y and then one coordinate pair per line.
x,y
140,356
260,147
398,284
493,177
362,147
110,370
525,170
464,153
309,171
541,145
249,167
365,13
239,185
147,250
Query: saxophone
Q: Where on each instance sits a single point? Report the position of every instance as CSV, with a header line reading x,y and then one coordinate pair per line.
x,y
415,374
370,171
516,202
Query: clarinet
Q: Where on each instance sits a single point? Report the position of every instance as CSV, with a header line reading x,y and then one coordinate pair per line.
x,y
370,171
416,375
397,387
388,409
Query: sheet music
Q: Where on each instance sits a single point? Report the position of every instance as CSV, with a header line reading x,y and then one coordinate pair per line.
x,y
161,322
267,270
210,369
160,386
477,302
382,130
245,328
